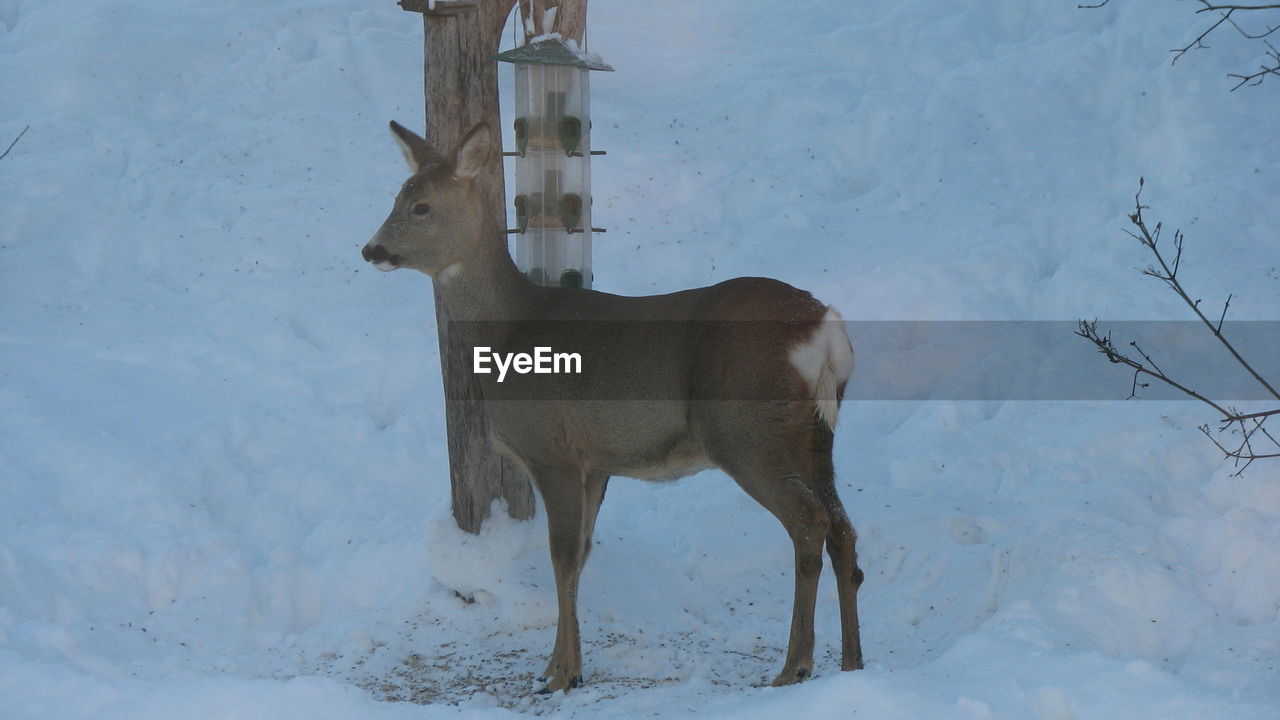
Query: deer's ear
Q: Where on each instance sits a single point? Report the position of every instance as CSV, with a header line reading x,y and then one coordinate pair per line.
x,y
473,152
417,151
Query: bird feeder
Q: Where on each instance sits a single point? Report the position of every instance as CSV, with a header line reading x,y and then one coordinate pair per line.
x,y
553,162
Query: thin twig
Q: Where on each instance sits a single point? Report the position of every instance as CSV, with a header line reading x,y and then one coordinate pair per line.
x,y
1249,36
1172,282
1263,71
1227,304
1249,428
15,141
1267,433
1089,331
1227,15
1145,356
1198,42
1263,414
1244,451
1230,8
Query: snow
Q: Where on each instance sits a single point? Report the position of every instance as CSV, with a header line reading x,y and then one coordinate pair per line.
x,y
223,487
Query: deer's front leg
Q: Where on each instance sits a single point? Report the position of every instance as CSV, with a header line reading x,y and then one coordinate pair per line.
x,y
563,496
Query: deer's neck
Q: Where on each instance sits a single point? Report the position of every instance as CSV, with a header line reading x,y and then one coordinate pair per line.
x,y
486,286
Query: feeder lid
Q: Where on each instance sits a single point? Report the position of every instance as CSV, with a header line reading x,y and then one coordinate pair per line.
x,y
551,51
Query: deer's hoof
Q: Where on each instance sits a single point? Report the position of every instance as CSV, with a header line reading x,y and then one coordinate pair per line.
x,y
555,684
790,677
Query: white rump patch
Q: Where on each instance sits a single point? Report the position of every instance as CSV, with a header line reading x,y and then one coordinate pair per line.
x,y
825,361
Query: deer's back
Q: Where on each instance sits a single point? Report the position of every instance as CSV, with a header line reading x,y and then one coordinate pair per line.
x,y
651,367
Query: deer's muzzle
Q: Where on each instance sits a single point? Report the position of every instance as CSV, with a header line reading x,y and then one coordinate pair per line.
x,y
380,258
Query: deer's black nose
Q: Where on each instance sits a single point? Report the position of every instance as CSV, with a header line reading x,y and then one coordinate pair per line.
x,y
375,254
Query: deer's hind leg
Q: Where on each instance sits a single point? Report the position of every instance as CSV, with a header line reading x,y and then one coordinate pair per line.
x,y
841,546
779,475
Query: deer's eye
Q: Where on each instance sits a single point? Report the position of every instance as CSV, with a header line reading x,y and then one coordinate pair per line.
x,y
421,209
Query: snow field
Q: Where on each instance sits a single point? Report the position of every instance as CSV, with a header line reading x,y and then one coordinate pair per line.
x,y
222,474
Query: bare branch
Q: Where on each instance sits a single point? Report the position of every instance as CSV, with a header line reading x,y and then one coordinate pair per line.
x,y
1199,41
1248,416
15,142
1263,71
1251,36
1207,7
1227,15
1089,331
1150,241
1247,427
1244,452
1267,433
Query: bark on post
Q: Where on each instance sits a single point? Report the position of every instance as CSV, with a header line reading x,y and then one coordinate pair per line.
x,y
570,18
461,88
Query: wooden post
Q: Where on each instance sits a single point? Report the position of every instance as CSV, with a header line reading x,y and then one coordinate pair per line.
x,y
570,20
461,88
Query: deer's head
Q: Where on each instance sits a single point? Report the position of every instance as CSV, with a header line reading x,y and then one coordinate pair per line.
x,y
436,217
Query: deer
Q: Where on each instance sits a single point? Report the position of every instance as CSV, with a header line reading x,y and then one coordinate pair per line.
x,y
746,376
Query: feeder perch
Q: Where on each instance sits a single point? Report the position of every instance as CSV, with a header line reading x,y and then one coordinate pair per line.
x,y
553,162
